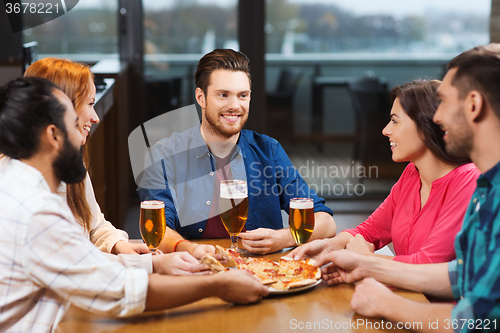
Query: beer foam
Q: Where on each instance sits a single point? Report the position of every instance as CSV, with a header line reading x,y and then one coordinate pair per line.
x,y
227,192
302,203
152,204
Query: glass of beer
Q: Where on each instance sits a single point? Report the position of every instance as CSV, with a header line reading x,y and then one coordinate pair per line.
x,y
152,223
301,219
233,205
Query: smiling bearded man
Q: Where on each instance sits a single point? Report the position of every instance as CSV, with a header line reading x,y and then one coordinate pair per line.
x,y
190,166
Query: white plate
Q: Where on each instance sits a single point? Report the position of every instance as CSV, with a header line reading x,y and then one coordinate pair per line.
x,y
274,291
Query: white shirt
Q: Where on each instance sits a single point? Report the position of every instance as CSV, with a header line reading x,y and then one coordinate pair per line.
x,y
103,234
46,262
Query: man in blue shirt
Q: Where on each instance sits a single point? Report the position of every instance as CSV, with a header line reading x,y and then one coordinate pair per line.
x,y
188,166
469,113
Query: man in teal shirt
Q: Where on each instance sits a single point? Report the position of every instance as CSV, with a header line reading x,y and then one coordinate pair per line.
x,y
469,113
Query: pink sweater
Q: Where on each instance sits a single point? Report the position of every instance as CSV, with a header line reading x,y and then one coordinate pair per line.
x,y
422,235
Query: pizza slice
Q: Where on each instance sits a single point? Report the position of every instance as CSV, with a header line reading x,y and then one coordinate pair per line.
x,y
296,273
214,264
233,257
264,269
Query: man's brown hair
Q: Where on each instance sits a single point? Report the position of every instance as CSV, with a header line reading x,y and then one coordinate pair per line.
x,y
479,69
226,59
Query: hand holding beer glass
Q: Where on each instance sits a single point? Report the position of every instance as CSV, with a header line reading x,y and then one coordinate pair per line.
x,y
233,205
301,219
152,223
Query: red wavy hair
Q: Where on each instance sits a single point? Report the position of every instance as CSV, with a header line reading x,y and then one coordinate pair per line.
x,y
75,79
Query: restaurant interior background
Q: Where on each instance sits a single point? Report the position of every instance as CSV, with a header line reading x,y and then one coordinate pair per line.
x,y
309,59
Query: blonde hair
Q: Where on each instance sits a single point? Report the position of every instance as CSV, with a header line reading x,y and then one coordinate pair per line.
x,y
75,80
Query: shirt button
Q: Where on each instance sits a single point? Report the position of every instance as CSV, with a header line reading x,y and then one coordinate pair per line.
x,y
208,202
211,173
460,262
200,230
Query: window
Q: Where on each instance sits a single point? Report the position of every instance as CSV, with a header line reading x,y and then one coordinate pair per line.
x,y
87,32
383,26
183,27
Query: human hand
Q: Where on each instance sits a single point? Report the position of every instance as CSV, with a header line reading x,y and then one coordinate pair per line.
x,y
311,250
360,245
124,247
201,250
367,298
344,267
239,286
179,263
265,240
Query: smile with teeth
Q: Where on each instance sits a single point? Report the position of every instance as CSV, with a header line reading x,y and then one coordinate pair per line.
x,y
230,117
393,144
86,128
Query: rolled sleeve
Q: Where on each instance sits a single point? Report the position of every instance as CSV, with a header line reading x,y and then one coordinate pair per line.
x,y
144,261
56,256
453,275
136,288
321,207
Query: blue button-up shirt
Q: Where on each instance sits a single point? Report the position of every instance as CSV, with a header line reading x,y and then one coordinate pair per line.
x,y
475,274
183,176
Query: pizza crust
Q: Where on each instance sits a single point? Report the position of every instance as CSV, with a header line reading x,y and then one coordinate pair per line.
x,y
214,264
318,270
225,255
298,284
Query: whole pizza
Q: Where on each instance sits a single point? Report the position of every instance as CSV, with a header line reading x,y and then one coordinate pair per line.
x,y
283,275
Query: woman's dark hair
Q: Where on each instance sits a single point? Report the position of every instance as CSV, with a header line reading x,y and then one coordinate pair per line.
x,y
420,102
27,107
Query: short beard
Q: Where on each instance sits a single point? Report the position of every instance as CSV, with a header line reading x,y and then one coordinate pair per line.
x,y
460,145
68,165
219,130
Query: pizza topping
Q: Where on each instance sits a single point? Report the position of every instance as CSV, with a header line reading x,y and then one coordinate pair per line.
x,y
286,274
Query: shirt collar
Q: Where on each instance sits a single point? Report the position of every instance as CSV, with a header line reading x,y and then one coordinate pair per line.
x,y
492,175
27,173
202,148
198,142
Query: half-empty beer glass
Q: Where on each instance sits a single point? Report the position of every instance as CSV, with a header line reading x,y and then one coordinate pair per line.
x,y
233,205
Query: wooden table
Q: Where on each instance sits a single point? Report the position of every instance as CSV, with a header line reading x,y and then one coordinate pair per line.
x,y
321,308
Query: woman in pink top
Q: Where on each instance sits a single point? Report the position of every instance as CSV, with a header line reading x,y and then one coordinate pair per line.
x,y
425,208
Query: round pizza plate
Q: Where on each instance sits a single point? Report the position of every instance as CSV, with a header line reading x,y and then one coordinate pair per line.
x,y
274,291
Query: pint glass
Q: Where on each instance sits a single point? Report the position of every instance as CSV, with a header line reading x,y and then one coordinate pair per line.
x,y
152,223
301,219
233,205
